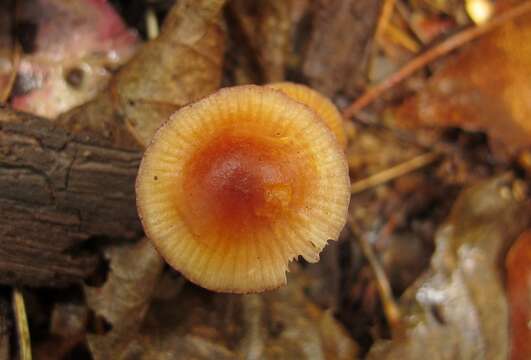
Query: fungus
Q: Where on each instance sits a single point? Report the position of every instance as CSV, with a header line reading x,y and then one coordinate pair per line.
x,y
318,103
235,186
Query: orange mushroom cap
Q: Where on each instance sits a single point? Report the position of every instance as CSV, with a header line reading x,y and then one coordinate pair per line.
x,y
235,186
318,103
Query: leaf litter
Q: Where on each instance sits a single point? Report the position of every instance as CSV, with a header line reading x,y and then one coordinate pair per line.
x,y
440,231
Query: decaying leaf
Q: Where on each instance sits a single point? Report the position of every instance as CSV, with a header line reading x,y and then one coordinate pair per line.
x,y
69,49
124,298
485,88
285,325
458,309
181,65
184,64
336,55
268,27
518,264
68,324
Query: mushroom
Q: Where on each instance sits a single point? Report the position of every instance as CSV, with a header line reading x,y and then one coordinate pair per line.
x,y
318,103
236,185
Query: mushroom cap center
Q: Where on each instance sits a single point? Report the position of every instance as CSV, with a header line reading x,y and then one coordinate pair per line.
x,y
239,183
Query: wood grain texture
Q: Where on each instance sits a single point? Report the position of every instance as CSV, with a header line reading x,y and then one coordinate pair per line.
x,y
58,190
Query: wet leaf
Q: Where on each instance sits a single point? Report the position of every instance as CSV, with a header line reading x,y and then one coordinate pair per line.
x,y
458,309
485,88
69,48
518,264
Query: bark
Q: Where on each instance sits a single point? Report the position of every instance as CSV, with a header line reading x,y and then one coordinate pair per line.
x,y
57,192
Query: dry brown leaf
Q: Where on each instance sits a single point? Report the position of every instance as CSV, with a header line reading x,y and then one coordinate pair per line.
x,y
268,27
68,325
485,88
123,302
336,56
458,309
183,64
164,346
68,319
124,298
285,324
161,333
69,49
518,264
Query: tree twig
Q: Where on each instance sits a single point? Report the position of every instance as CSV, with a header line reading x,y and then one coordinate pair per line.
x,y
393,172
385,17
432,54
391,309
24,343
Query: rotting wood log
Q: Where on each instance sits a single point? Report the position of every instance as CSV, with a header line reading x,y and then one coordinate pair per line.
x,y
57,190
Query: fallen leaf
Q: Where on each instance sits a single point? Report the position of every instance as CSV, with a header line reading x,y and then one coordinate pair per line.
x,y
518,264
68,319
285,324
68,324
124,298
268,28
70,48
484,88
183,64
336,56
136,332
162,347
458,309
